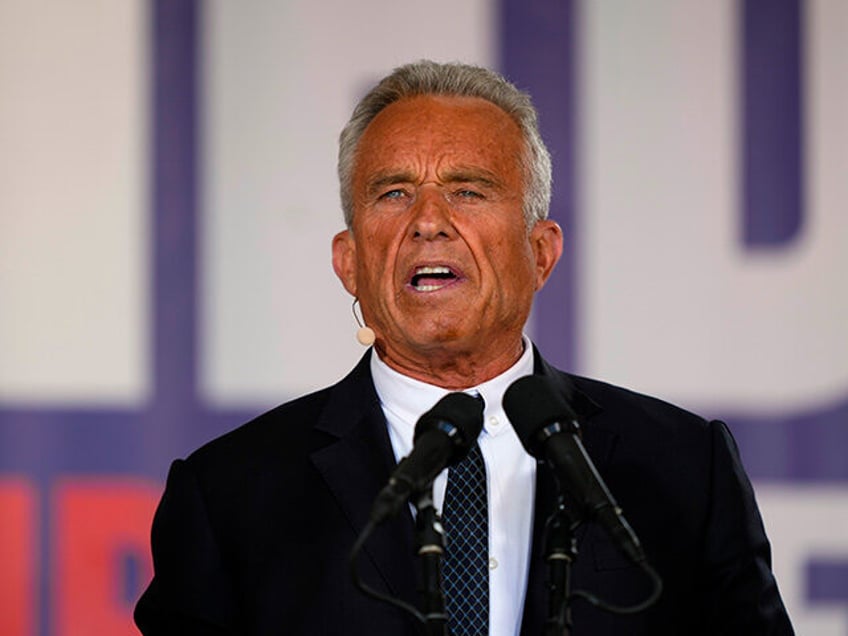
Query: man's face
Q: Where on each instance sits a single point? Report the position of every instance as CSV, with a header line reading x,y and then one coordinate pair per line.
x,y
439,254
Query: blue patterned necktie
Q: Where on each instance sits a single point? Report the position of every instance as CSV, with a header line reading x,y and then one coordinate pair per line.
x,y
466,565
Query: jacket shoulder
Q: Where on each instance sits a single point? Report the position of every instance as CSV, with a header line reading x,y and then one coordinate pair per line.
x,y
279,434
630,408
290,430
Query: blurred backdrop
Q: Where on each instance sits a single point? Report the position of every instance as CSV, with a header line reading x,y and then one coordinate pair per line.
x,y
168,195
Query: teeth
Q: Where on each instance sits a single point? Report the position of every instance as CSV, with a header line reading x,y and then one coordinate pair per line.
x,y
432,270
424,271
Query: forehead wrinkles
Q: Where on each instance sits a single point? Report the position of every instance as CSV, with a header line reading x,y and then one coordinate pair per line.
x,y
433,137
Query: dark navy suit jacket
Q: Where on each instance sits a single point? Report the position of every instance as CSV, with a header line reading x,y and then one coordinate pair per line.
x,y
254,529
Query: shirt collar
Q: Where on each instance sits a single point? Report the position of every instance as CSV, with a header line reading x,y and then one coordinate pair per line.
x,y
407,398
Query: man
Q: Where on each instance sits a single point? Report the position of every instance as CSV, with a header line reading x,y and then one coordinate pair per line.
x,y
445,185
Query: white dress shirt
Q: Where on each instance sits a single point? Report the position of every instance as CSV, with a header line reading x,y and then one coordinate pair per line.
x,y
511,477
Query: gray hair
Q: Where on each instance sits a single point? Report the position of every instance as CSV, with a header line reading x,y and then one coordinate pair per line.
x,y
459,80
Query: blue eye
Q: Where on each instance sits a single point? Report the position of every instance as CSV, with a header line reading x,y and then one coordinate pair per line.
x,y
392,194
468,194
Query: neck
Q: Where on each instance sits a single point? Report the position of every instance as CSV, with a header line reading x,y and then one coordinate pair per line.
x,y
452,369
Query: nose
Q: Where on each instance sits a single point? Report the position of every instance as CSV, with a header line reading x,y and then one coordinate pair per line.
x,y
431,215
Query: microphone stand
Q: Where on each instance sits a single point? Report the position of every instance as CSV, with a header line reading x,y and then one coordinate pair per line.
x,y
560,553
430,547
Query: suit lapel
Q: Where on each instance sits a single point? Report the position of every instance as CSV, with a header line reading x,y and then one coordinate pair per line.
x,y
599,442
356,467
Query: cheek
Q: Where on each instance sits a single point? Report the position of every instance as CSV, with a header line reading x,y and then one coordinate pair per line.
x,y
378,250
511,260
521,277
380,231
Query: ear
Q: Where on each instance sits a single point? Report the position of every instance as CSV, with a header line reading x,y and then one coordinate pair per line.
x,y
344,260
546,243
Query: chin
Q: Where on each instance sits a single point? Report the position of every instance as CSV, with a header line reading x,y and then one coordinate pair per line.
x,y
446,341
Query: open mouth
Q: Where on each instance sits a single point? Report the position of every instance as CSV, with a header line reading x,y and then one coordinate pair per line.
x,y
432,278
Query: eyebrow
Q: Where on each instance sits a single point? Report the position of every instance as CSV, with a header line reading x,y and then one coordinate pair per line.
x,y
460,174
473,175
383,179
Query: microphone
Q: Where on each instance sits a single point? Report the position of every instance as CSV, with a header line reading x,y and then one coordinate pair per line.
x,y
365,336
443,436
548,429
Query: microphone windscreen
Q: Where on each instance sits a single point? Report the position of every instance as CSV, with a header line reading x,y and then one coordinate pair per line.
x,y
460,410
365,336
531,403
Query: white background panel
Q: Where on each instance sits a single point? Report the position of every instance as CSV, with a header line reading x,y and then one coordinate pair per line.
x,y
280,82
73,183
671,303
